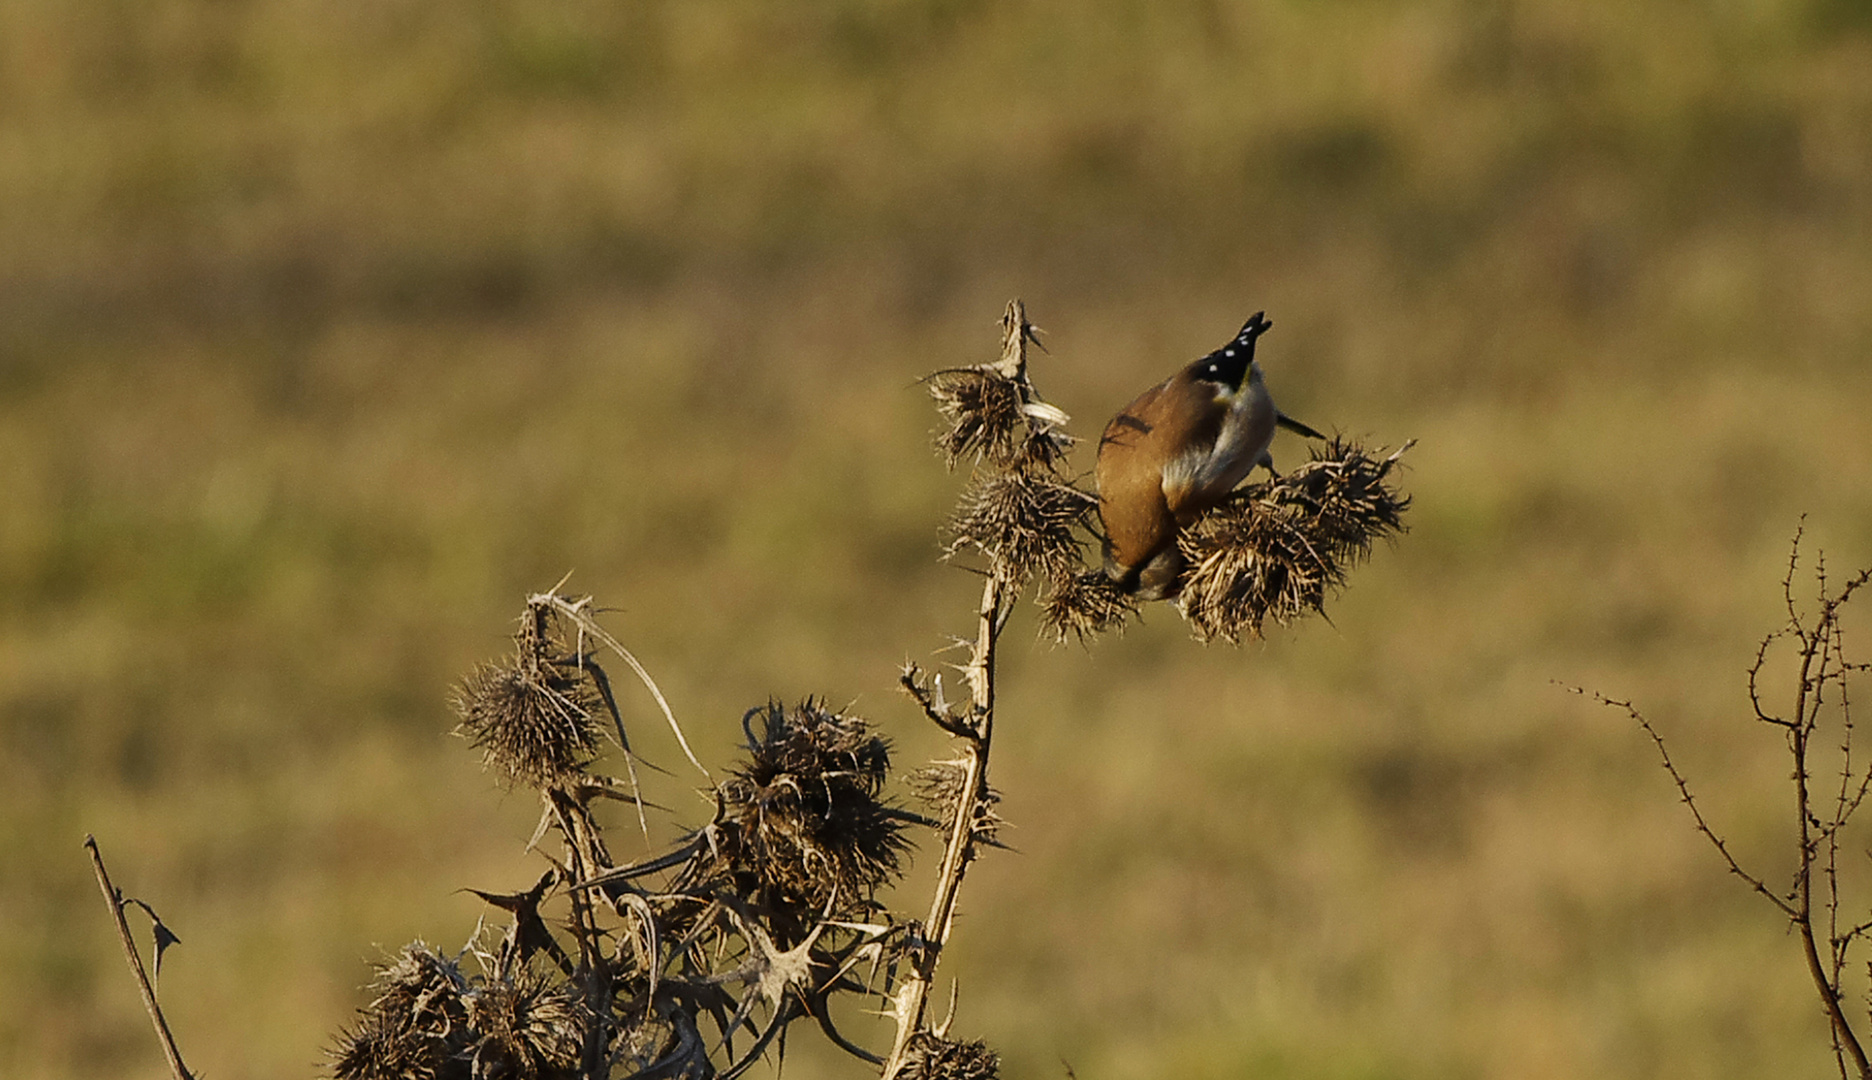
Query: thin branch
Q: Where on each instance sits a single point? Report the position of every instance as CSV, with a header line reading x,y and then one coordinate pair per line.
x,y
1689,800
116,901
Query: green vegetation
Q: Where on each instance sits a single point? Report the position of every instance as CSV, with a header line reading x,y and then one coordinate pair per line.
x,y
329,332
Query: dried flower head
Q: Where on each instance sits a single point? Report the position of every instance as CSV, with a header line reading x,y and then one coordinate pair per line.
x,y
1275,550
986,405
932,1057
1024,521
1084,605
525,1028
415,1027
982,411
802,819
535,717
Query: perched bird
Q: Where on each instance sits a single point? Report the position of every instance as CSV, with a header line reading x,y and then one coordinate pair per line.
x,y
1177,451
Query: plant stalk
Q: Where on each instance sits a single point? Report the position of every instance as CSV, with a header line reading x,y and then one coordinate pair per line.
x,y
960,849
115,900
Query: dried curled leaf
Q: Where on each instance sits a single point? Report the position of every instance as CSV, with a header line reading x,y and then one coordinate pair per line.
x,y
1274,551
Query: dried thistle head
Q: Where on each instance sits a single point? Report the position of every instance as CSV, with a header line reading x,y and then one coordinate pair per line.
x,y
803,819
982,411
986,405
1274,551
414,1028
525,1027
1084,605
535,716
379,1048
1024,521
932,1057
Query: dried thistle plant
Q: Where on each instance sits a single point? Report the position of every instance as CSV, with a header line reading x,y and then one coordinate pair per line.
x,y
803,830
695,958
534,716
932,1057
690,961
1019,511
1276,550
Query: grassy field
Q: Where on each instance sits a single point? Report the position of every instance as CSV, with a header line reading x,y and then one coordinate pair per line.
x,y
329,331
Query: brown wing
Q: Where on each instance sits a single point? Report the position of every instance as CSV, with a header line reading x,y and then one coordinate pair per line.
x,y
1164,422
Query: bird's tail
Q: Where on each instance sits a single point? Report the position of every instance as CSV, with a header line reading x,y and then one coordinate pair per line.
x,y
1296,426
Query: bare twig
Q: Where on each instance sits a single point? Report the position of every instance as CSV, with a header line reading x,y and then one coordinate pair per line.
x,y
116,901
1821,680
1689,800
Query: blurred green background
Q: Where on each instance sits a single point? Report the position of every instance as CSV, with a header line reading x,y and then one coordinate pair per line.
x,y
327,331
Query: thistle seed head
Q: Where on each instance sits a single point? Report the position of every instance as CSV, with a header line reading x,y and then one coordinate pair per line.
x,y
535,716
1084,605
932,1057
1274,551
1023,520
803,819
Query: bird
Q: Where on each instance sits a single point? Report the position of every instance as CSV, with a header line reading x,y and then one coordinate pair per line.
x,y
1178,450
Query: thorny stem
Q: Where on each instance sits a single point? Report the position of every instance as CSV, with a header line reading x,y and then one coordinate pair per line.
x,y
116,902
977,733
1817,647
1828,986
913,995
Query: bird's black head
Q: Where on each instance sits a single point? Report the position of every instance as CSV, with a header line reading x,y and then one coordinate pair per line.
x,y
1229,364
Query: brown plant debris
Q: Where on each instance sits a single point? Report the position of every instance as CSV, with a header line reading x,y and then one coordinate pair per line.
x,y
1275,550
802,825
1084,605
939,786
1023,520
414,1028
982,409
534,717
430,1021
932,1057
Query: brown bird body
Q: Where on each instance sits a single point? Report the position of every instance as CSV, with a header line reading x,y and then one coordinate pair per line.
x,y
1176,451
